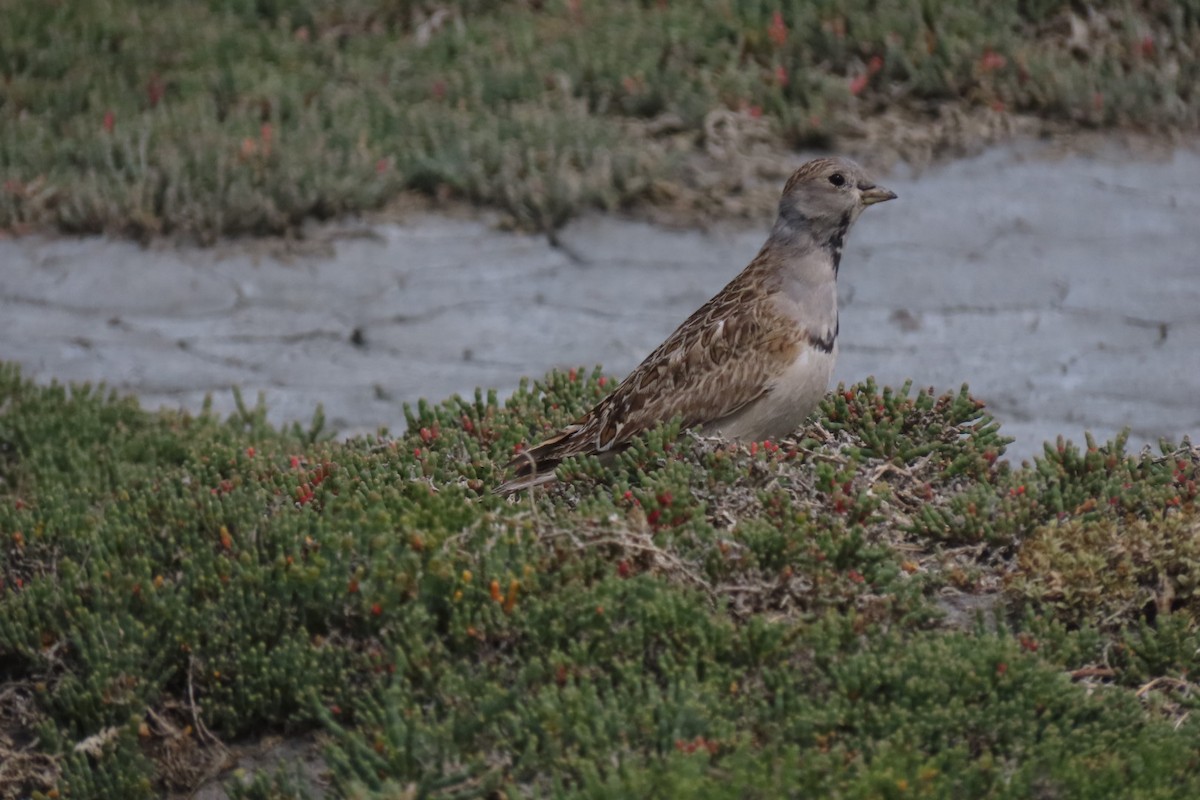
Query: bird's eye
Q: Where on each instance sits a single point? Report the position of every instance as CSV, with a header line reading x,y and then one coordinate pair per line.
x,y
836,179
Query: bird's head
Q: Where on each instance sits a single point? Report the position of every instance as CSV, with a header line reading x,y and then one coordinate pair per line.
x,y
828,194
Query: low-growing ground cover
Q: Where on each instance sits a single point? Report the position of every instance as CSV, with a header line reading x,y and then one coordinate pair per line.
x,y
877,608
239,117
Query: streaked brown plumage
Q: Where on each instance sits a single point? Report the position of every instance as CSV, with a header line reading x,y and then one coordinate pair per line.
x,y
753,361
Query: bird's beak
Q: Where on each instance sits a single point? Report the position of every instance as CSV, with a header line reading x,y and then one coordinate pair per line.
x,y
875,194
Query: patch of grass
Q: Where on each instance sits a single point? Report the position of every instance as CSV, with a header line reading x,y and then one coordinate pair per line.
x,y
230,117
696,619
1113,570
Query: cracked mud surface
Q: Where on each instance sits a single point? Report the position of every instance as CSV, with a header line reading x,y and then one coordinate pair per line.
x,y
1064,290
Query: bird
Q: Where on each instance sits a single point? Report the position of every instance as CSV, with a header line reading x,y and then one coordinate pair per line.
x,y
754,361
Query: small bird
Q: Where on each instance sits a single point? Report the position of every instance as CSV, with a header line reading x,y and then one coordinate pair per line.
x,y
754,361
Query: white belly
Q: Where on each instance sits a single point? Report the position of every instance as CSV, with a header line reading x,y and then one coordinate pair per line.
x,y
793,396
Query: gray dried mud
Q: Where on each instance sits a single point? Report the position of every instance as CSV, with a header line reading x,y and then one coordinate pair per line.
x,y
1064,290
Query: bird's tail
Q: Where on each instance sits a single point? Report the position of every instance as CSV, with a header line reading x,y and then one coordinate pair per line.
x,y
535,466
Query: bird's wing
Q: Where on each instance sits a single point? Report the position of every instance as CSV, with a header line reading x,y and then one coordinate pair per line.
x,y
721,359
